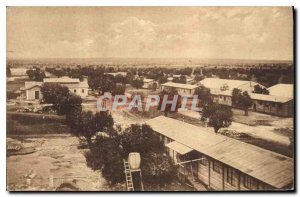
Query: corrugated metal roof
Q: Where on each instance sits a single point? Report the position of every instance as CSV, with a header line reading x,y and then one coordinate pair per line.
x,y
271,98
270,167
179,85
61,80
179,148
285,90
31,84
216,83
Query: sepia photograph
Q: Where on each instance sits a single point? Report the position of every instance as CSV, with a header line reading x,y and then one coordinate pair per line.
x,y
150,98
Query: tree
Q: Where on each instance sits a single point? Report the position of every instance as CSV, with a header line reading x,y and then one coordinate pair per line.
x,y
86,124
36,74
181,79
119,89
260,90
204,95
61,98
162,80
109,150
219,116
154,86
241,100
199,77
171,93
137,83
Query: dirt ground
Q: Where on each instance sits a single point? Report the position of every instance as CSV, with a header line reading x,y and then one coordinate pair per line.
x,y
55,156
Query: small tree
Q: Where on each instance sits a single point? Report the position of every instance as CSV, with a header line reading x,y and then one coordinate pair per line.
x,y
137,83
36,74
119,89
241,100
154,86
162,79
171,93
61,98
86,124
219,116
260,90
204,95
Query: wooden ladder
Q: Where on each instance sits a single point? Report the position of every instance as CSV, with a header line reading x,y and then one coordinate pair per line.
x,y
128,175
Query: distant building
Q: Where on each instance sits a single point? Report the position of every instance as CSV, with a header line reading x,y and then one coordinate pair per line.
x,y
183,89
271,104
285,90
33,89
148,83
220,162
117,73
18,71
280,100
216,84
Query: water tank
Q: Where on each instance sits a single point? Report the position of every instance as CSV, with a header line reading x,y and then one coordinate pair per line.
x,y
134,160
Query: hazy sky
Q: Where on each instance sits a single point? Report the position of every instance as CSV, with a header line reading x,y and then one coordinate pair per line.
x,y
202,32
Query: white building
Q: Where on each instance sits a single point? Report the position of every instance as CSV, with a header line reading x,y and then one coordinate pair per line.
x,y
148,83
80,88
186,90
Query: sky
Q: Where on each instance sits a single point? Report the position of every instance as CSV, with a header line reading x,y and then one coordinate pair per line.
x,y
264,33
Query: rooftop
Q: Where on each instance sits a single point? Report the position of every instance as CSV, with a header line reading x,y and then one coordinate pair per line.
x,y
61,80
270,167
179,85
284,90
271,98
216,83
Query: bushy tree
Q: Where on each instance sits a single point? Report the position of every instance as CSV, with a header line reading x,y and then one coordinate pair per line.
x,y
62,99
260,90
119,89
171,93
219,116
162,80
204,95
137,83
241,100
86,124
109,150
36,74
181,79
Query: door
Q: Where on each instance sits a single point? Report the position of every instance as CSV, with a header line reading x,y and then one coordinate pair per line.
x,y
37,94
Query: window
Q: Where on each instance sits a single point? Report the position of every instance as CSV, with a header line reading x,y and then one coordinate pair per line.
x,y
190,91
74,90
260,102
82,90
273,104
279,106
224,98
217,166
229,173
248,182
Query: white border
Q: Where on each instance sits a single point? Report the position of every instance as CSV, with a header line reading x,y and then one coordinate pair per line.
x,y
5,3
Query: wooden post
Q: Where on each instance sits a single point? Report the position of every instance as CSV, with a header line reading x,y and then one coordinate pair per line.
x,y
51,181
142,185
239,181
208,173
223,176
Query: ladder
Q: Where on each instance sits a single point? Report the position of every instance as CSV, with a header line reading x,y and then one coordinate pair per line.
x,y
128,175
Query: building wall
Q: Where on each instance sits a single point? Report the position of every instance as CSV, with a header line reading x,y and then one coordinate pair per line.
x,y
181,91
281,109
217,175
30,94
82,92
225,100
